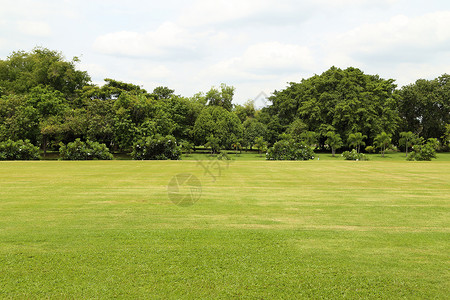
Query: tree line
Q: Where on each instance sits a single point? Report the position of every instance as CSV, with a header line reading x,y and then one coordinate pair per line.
x,y
44,99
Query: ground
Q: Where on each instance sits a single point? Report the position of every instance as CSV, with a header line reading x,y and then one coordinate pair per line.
x,y
254,229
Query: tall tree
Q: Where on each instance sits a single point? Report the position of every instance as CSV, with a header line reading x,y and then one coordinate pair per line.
x,y
407,139
223,98
334,141
344,101
22,71
382,141
356,140
424,106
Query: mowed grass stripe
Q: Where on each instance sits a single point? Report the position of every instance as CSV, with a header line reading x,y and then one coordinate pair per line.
x,y
321,229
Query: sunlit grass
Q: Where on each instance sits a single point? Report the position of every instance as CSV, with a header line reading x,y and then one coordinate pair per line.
x,y
261,229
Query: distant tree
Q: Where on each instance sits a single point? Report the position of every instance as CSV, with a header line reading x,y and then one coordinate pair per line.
x,y
309,138
236,146
260,144
245,111
407,139
187,147
162,92
22,71
223,98
216,121
253,129
424,107
213,144
297,130
334,141
382,141
356,140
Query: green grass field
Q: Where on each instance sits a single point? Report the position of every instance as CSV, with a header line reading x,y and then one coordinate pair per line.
x,y
261,229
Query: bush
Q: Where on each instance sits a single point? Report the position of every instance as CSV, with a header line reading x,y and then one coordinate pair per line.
x,y
353,155
156,148
88,150
288,149
18,150
424,152
369,149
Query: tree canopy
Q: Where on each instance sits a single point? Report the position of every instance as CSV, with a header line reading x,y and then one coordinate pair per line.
x,y
46,100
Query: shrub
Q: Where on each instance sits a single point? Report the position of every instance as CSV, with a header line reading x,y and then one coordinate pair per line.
x,y
370,149
156,148
288,149
353,155
18,150
88,150
424,152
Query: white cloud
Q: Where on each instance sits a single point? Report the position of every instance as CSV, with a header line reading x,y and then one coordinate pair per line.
x,y
401,39
33,28
261,62
167,41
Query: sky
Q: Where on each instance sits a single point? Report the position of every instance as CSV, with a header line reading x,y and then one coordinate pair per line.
x,y
257,46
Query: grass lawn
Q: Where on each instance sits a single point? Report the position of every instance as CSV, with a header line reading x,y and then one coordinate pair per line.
x,y
260,229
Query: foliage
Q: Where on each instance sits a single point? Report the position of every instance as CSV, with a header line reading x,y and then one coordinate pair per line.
x,y
222,98
289,149
407,139
213,144
424,106
344,101
253,129
23,71
260,144
382,141
18,150
89,150
354,155
309,138
334,141
217,121
187,147
156,147
356,140
370,149
424,151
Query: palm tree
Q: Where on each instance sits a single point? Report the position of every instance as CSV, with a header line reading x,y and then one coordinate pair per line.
x,y
334,141
356,140
408,139
382,140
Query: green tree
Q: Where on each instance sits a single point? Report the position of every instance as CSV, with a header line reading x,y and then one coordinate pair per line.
x,y
382,141
356,140
216,121
252,129
245,111
334,141
344,101
309,138
260,144
407,139
424,106
213,144
222,98
22,71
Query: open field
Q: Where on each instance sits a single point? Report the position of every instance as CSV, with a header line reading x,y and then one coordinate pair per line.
x,y
261,229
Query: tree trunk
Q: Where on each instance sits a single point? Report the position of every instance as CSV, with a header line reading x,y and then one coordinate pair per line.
x,y
333,151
